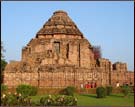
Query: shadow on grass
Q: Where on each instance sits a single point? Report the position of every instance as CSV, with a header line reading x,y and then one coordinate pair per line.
x,y
116,95
131,94
112,95
89,95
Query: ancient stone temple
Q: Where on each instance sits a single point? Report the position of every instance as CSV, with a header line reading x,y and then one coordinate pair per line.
x,y
60,56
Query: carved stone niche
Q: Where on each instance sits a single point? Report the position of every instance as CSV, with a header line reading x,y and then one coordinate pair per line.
x,y
51,69
38,60
49,53
25,67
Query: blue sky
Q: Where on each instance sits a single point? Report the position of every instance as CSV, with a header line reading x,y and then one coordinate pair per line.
x,y
108,24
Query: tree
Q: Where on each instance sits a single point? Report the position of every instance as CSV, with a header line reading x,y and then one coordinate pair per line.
x,y
97,52
3,62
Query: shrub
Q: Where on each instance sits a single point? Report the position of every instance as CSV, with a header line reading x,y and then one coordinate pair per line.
x,y
14,100
19,100
101,92
26,90
126,90
4,88
109,90
70,90
59,100
11,100
33,91
46,101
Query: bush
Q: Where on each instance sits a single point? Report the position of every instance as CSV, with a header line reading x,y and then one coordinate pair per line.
x,y
131,89
70,90
58,101
109,90
101,92
126,90
26,90
33,91
19,100
4,88
11,100
46,101
14,100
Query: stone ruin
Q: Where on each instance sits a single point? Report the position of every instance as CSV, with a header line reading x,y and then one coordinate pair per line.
x,y
60,56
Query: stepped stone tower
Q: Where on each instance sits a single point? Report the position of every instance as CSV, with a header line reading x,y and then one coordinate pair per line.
x,y
60,56
59,42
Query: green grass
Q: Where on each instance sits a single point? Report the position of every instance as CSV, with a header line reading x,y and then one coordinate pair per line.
x,y
91,100
113,100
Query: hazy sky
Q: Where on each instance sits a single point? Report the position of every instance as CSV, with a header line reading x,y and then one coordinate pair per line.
x,y
108,24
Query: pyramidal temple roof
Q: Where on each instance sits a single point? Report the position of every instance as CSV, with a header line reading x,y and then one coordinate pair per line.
x,y
59,23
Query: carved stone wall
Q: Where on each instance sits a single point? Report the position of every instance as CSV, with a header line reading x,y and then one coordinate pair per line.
x,y
56,76
59,51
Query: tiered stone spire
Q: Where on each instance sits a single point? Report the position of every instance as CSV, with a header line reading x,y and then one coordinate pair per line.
x,y
60,23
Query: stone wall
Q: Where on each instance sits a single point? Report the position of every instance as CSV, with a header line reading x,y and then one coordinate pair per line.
x,y
121,74
56,76
60,76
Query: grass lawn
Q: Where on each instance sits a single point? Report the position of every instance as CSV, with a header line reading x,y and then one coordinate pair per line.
x,y
91,100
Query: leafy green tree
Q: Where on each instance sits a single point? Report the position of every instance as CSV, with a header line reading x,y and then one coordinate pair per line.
x,y
3,62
